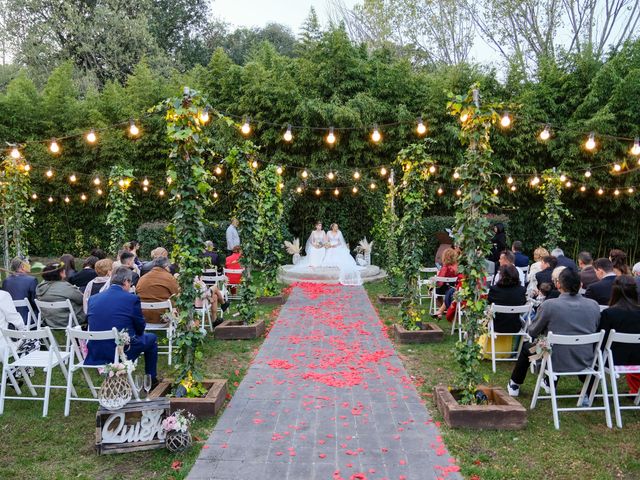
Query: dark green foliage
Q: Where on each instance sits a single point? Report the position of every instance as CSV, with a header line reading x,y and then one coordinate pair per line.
x,y
152,235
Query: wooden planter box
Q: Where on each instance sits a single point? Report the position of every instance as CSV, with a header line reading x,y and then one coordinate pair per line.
x,y
207,406
276,300
237,330
429,334
385,300
504,412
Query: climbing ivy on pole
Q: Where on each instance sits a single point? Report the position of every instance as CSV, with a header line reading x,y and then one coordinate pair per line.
x,y
17,212
243,164
120,202
414,200
387,232
472,233
554,210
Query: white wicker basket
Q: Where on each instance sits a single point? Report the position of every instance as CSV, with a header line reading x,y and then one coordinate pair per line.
x,y
115,392
178,441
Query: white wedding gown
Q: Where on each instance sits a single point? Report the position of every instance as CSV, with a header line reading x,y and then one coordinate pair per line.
x,y
315,252
338,256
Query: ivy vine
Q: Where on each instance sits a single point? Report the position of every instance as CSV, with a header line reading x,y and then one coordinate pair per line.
x,y
120,201
387,234
554,209
17,212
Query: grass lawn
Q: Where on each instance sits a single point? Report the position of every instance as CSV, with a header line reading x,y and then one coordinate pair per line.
x,y
583,447
59,447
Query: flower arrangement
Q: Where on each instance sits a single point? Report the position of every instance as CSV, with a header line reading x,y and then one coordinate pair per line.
x,y
179,421
364,246
293,248
111,370
541,348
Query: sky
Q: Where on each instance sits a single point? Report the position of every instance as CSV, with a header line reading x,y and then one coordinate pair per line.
x,y
257,13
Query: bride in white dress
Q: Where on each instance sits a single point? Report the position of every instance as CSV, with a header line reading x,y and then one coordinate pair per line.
x,y
338,255
315,249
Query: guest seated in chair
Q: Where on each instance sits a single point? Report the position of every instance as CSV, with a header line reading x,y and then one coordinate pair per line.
x,y
157,286
21,285
155,254
55,288
84,276
569,314
544,276
508,291
563,260
116,307
232,262
601,290
521,260
536,267
10,319
588,274
214,260
449,269
99,284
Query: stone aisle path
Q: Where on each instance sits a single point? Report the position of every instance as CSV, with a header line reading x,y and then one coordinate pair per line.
x,y
326,398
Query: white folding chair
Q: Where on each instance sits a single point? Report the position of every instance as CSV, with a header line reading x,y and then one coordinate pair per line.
x,y
168,328
457,321
424,275
230,286
615,371
596,370
76,362
525,274
46,359
32,319
603,308
210,278
435,295
72,320
523,311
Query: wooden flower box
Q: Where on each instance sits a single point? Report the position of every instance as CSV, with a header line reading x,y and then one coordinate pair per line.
x,y
275,300
386,300
429,333
202,407
502,413
237,330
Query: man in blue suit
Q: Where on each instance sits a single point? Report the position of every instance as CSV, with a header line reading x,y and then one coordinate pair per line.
x,y
21,285
116,307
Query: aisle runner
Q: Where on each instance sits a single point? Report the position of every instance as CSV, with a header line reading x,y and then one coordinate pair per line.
x,y
326,399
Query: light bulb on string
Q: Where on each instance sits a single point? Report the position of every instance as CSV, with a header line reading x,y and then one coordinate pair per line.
x,y
50,199
587,174
376,136
83,197
513,188
145,182
545,134
568,184
635,150
356,175
617,167
281,185
254,164
331,138
246,127
99,191
204,116
421,128
305,174
383,171
133,128
96,181
318,192
496,191
440,191
354,189
432,169
34,196
27,167
67,199
49,173
616,192
563,177
54,147
510,180
535,181
390,181
590,144
279,170
456,175
299,189
464,117
218,170
288,135
331,176
583,188
73,178
121,183
15,153
145,188
600,191
91,136
505,120
372,186
336,192
161,193
458,192
215,194
630,190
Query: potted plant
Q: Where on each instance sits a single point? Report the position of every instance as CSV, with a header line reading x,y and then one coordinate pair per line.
x,y
176,427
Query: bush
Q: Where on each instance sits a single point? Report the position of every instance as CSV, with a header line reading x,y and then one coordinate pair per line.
x,y
152,235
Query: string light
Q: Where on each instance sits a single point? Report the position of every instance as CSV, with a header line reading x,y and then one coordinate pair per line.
x,y
49,173
421,128
27,167
305,174
535,181
50,199
510,180
563,177
254,164
73,178
15,153
34,196
279,170
83,197
121,183
336,192
600,191
496,191
568,184
288,136
505,121
617,167
54,147
204,116
145,182
616,192
545,134
513,188
331,176
215,194
440,191
383,171
432,169
67,199
464,117
587,174
583,188
356,175
145,189
590,144
372,186
331,138
635,150
133,128
246,127
91,136
456,175
299,189
318,192
630,190
281,185
458,192
96,181
218,170
376,136
99,191
161,193
354,189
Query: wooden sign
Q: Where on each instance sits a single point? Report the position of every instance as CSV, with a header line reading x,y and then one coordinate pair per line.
x,y
136,426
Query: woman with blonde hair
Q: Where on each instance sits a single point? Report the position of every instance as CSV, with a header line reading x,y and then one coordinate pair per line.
x,y
449,269
101,282
538,254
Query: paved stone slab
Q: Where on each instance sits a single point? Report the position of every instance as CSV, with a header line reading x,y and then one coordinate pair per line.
x,y
326,398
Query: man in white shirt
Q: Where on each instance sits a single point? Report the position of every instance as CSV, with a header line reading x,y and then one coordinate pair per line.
x,y
507,257
233,238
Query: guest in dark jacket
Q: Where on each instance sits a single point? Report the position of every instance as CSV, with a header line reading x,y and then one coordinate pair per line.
x,y
588,274
548,264
499,242
69,265
116,307
563,260
521,260
212,255
623,316
84,276
601,290
20,285
508,291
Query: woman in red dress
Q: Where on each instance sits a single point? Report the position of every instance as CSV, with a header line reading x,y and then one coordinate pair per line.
x,y
232,262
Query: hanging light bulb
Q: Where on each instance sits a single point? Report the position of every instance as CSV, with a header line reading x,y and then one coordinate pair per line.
x,y
635,150
145,182
505,121
587,174
73,178
510,180
281,185
496,191
161,193
218,170
145,188
254,164
432,169
535,181
54,147
50,199
34,196
288,135
600,191
15,153
616,192
305,174
246,127
204,115
354,189
617,167
318,192
356,175
279,170
83,197
563,177
568,184
383,171
583,188
133,128
336,192
121,183
545,134
96,181
331,176
331,138
376,136
372,186
91,136
440,191
421,128
630,190
99,191
458,192
27,167
513,188
464,117
215,194
590,144
299,189
49,173
66,200
456,175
